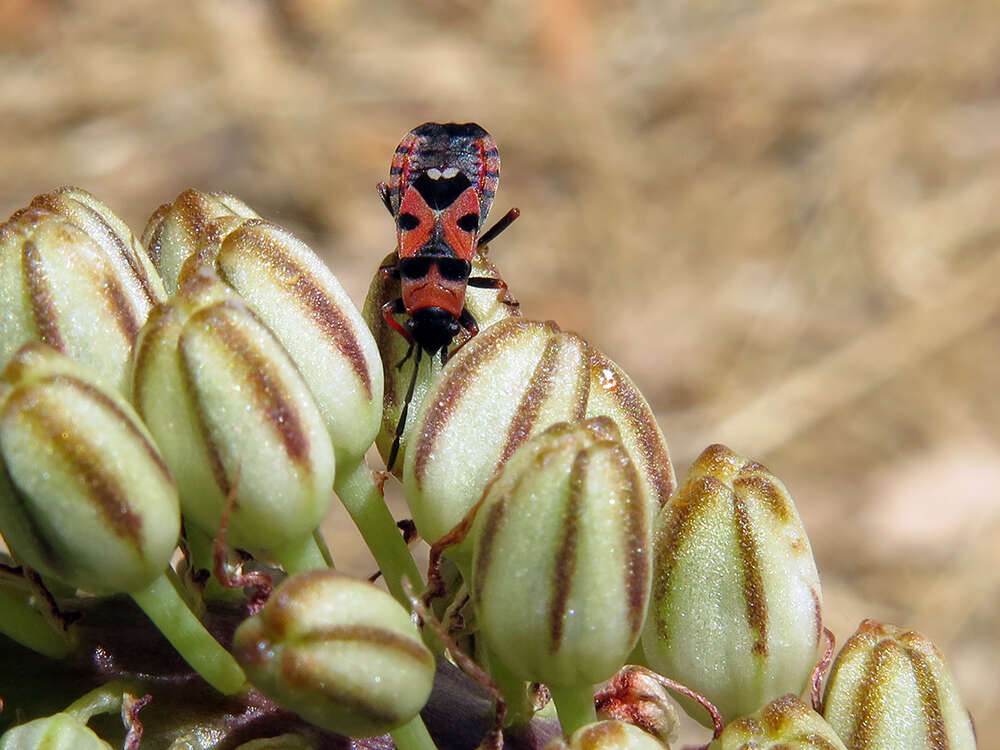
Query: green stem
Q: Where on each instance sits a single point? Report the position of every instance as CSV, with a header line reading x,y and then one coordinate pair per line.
x,y
413,736
166,608
365,503
300,556
101,700
575,706
514,689
324,548
29,627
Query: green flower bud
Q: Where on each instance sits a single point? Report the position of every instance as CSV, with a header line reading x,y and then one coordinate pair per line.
x,y
891,688
608,735
785,723
485,305
338,651
193,225
736,607
73,276
294,293
57,732
512,381
231,413
85,497
561,557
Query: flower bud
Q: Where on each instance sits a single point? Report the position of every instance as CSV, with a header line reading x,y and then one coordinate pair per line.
x,y
193,225
785,723
57,732
608,735
891,688
736,606
73,276
85,497
231,413
511,381
561,557
294,293
338,651
485,305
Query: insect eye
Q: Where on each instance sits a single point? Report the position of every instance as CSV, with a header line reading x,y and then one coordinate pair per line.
x,y
454,269
408,221
414,268
469,222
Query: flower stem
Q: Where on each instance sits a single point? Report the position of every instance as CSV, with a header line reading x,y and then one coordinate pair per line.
x,y
413,736
364,501
575,706
29,627
166,608
300,556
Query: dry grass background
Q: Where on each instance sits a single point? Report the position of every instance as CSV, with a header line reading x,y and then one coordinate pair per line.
x,y
782,219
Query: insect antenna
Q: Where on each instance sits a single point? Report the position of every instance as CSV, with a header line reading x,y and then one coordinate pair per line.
x,y
507,219
401,424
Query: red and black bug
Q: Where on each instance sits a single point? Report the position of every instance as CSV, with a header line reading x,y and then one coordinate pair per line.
x,y
441,185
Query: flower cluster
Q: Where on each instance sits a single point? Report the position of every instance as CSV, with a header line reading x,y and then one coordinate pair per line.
x,y
177,413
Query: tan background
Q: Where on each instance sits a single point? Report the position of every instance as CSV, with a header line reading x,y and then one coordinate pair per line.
x,y
782,219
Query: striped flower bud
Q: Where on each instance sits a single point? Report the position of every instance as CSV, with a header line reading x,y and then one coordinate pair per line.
x,y
509,382
193,225
485,305
85,497
735,612
294,293
231,413
890,688
561,557
338,651
608,735
57,732
785,723
73,276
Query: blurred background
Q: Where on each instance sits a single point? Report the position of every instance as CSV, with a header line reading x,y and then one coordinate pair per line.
x,y
782,219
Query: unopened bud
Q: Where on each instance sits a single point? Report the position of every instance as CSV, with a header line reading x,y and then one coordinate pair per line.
x,y
232,414
890,688
736,607
608,735
294,293
785,723
72,276
57,732
510,382
340,652
85,497
561,557
193,225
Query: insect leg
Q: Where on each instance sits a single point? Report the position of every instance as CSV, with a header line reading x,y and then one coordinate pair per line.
x,y
491,233
401,424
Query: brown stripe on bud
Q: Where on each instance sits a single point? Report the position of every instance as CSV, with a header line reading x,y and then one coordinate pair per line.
x,y
684,515
565,564
82,461
636,540
375,636
255,237
43,307
753,585
613,393
258,371
544,380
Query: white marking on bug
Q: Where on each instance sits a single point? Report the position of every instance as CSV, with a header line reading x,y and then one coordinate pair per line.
x,y
607,379
450,172
434,173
